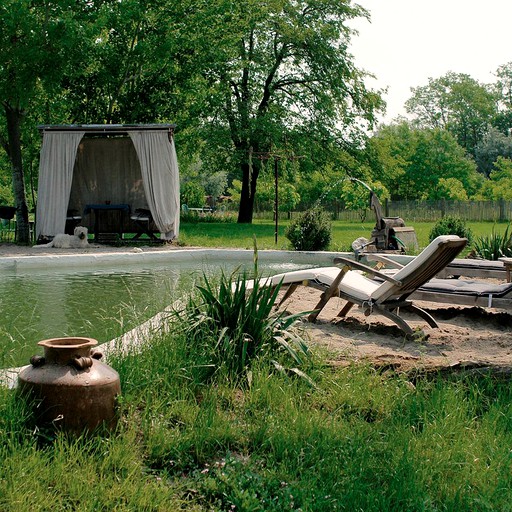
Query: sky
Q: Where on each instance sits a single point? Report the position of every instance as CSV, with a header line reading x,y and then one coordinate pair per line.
x,y
409,41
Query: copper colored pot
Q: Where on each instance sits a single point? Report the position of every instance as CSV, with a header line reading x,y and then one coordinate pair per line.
x,y
71,389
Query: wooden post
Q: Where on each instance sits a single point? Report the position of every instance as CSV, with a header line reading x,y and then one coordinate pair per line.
x,y
276,198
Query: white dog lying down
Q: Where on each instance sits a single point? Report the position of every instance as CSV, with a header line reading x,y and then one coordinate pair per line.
x,y
76,241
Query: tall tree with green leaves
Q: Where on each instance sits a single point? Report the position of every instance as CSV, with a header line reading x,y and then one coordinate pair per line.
x,y
130,67
499,184
38,42
503,91
416,163
493,145
265,69
455,102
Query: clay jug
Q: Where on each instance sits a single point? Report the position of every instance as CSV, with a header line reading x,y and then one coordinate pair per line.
x,y
69,387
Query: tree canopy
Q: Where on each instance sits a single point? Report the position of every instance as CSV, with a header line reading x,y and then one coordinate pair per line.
x,y
457,103
247,82
417,163
246,77
276,69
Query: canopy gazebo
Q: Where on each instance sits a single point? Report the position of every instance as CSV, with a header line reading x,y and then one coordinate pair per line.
x,y
112,170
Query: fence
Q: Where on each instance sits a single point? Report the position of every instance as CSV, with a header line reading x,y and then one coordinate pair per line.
x,y
415,211
410,211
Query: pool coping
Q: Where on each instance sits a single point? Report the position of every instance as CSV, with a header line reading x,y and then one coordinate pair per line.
x,y
26,262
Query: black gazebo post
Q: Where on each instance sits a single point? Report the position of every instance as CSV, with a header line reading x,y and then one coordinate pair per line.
x,y
276,198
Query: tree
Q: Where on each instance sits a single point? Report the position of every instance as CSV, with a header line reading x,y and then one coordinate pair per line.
x,y
457,103
131,62
499,184
192,194
215,185
450,188
504,85
389,152
288,197
357,197
268,68
492,145
38,41
419,160
503,91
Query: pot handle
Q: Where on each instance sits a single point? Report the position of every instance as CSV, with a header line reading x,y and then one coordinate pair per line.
x,y
81,363
36,361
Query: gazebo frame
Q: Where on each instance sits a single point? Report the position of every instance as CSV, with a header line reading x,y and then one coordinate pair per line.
x,y
139,174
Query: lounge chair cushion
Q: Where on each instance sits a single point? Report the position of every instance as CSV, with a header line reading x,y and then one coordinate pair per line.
x,y
353,282
467,287
476,264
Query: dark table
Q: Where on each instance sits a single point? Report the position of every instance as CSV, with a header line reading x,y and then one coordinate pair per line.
x,y
102,209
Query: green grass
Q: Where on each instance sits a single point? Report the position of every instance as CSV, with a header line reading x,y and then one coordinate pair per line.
x,y
343,234
359,440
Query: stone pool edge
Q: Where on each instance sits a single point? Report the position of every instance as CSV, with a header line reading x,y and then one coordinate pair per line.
x,y
27,262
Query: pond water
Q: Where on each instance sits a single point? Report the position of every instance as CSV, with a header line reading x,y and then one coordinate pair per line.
x,y
98,303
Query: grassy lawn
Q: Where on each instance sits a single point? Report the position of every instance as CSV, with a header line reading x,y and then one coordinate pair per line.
x,y
343,234
359,440
187,439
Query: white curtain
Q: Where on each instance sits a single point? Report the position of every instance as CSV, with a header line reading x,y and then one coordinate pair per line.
x,y
160,176
56,163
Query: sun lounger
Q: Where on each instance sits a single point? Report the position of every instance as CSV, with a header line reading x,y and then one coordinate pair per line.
x,y
465,292
462,292
387,296
481,269
465,267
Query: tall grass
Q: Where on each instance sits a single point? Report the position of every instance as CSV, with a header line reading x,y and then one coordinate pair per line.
x,y
231,323
358,441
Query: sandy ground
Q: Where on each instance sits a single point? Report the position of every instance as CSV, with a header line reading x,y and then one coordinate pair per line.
x,y
466,337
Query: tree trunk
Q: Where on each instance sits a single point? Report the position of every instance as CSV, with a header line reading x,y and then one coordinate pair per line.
x,y
249,179
14,116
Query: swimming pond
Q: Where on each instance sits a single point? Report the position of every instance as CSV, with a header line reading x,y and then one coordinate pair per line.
x,y
105,301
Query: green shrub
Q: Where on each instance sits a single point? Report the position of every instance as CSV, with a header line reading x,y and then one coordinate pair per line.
x,y
192,194
219,217
494,246
451,226
230,326
310,231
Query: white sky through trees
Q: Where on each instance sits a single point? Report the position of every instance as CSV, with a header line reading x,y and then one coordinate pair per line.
x,y
409,41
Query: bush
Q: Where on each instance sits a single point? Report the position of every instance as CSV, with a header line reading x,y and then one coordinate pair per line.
x,y
310,231
494,246
208,218
230,326
451,226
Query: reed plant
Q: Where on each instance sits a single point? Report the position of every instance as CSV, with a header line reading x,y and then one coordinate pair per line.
x,y
233,322
494,246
